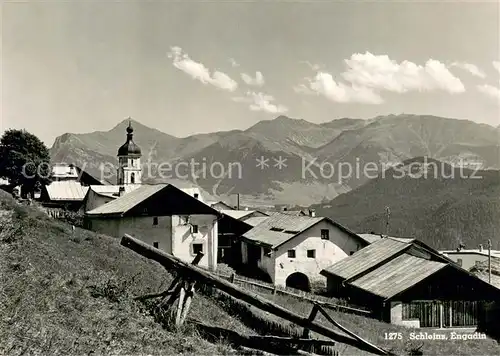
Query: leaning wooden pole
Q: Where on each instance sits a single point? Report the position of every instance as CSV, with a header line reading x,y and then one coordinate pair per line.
x,y
204,276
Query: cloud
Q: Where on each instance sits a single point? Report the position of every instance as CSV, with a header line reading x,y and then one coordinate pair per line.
x,y
314,67
379,72
496,65
233,62
261,102
199,72
324,84
471,68
490,91
249,80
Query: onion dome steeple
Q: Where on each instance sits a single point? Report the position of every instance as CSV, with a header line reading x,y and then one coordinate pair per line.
x,y
129,148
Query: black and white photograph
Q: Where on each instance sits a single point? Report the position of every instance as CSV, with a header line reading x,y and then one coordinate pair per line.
x,y
250,177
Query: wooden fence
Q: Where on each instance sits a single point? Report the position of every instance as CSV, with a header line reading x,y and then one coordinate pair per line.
x,y
182,289
305,296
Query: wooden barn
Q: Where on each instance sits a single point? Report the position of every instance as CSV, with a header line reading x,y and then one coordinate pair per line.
x,y
408,283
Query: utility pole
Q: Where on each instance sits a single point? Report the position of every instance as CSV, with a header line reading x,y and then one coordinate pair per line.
x,y
387,216
489,261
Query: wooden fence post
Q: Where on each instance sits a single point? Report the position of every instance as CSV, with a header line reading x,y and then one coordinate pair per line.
x,y
187,302
178,316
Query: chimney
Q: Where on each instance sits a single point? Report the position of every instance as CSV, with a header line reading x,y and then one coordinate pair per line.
x,y
312,213
480,248
196,195
121,191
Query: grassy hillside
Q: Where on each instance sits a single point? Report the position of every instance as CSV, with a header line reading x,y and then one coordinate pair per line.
x,y
72,294
442,208
67,292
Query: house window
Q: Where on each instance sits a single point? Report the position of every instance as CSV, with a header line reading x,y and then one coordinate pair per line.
x,y
194,229
155,221
155,244
291,253
132,178
197,248
325,234
311,253
459,262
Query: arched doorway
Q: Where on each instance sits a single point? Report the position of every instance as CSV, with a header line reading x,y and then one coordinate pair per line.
x,y
298,280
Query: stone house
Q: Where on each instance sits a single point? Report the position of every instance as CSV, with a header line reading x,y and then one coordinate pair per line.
x,y
165,217
292,250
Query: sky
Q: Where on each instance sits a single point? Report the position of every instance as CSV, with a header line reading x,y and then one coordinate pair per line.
x,y
192,67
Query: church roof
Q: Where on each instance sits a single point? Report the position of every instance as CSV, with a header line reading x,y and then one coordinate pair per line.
x,y
129,148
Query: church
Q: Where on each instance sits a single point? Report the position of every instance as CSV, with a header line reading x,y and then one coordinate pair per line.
x,y
174,220
129,176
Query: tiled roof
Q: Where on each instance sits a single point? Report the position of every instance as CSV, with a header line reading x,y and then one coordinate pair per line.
x,y
367,257
110,190
220,206
397,275
280,228
66,191
495,278
236,214
370,238
64,170
128,201
294,212
483,252
256,220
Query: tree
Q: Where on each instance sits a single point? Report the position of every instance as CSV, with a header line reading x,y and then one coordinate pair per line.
x,y
24,160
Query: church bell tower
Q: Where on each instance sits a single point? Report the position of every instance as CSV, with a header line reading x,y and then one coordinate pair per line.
x,y
129,160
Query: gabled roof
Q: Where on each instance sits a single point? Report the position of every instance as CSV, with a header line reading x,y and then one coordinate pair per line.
x,y
256,220
366,258
64,171
66,191
280,228
294,212
370,238
481,270
160,204
111,190
220,205
127,201
483,252
397,275
236,214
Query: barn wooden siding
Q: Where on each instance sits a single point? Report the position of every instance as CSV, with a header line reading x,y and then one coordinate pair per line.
x,y
443,314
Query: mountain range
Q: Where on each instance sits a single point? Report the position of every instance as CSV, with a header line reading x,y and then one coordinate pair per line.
x,y
318,161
